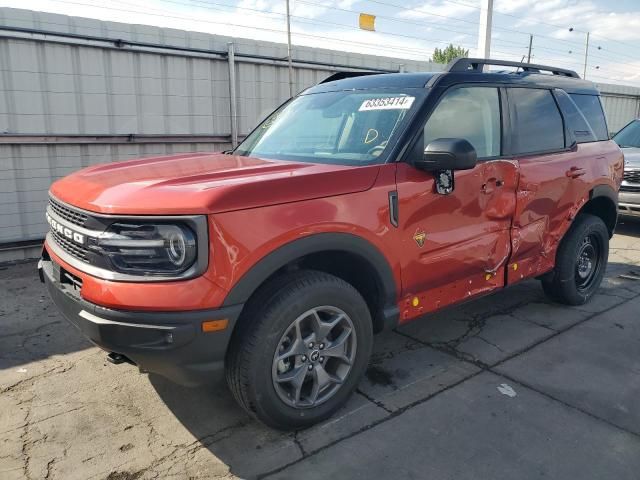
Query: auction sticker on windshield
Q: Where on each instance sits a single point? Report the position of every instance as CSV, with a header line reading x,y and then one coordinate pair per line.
x,y
387,103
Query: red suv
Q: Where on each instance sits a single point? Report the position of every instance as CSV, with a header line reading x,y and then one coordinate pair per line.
x,y
363,203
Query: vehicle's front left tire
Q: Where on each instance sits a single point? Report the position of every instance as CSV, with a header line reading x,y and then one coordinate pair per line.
x,y
300,349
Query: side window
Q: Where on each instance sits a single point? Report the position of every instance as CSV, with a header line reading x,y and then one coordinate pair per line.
x,y
537,123
576,123
472,113
591,108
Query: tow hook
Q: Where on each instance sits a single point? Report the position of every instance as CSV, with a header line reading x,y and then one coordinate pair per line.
x,y
118,358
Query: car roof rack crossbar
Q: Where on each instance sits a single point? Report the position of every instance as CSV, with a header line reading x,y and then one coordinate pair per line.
x,y
477,65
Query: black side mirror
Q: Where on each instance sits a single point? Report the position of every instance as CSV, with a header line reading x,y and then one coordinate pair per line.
x,y
447,154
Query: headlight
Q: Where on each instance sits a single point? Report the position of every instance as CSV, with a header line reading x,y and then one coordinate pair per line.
x,y
148,249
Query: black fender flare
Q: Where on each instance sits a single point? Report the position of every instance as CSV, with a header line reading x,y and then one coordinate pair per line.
x,y
317,243
602,192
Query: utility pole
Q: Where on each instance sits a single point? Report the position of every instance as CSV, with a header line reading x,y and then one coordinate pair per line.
x,y
586,56
484,34
289,51
233,99
530,44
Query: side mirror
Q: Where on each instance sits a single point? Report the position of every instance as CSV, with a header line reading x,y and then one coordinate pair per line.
x,y
447,154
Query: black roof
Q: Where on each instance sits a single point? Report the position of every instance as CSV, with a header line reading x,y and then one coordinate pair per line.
x,y
462,71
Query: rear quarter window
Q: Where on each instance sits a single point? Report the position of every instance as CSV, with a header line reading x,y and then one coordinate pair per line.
x,y
591,108
577,124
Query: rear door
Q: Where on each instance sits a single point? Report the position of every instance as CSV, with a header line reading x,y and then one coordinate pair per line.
x,y
455,246
552,171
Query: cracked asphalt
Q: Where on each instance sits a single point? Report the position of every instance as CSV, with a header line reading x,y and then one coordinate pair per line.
x,y
508,386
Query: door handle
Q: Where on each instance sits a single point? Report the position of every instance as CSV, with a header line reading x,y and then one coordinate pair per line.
x,y
575,172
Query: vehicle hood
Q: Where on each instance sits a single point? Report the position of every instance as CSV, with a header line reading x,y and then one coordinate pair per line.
x,y
205,183
631,157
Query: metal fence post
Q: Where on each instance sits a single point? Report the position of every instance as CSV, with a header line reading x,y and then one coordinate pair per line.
x,y
233,105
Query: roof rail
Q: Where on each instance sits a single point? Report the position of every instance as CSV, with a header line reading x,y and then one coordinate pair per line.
x,y
477,65
343,75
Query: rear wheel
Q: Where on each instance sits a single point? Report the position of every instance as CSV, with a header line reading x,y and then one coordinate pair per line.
x,y
300,350
580,262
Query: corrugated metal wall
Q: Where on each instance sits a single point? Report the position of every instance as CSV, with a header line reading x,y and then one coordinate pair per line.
x,y
92,91
76,99
621,103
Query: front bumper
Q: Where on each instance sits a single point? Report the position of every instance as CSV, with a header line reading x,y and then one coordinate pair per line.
x,y
629,203
170,344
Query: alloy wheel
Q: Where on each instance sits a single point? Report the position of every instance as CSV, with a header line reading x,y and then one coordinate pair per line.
x,y
314,357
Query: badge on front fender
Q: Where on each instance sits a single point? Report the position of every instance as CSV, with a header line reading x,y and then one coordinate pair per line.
x,y
420,236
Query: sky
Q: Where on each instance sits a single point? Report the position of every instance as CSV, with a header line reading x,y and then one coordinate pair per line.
x,y
404,28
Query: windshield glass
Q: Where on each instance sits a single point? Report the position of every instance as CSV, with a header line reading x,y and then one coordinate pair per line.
x,y
348,128
629,136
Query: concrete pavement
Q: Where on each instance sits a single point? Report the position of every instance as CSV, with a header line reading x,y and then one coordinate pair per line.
x,y
509,386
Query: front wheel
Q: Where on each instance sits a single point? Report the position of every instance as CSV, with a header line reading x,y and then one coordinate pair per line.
x,y
300,350
581,262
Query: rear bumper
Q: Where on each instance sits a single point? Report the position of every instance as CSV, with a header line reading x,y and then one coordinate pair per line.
x,y
170,344
629,203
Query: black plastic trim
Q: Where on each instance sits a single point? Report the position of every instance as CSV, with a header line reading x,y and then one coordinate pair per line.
x,y
321,242
342,75
604,191
607,192
461,65
170,344
393,208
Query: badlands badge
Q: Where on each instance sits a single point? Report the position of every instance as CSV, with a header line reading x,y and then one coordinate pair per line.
x,y
420,237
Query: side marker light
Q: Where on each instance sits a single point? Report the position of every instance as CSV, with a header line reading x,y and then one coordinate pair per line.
x,y
214,325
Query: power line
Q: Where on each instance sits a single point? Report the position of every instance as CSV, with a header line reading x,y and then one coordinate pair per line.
x,y
410,22
529,19
392,48
416,52
392,19
540,22
511,15
423,12
315,20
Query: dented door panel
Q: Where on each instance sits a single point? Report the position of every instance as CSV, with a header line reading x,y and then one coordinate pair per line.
x,y
465,235
551,191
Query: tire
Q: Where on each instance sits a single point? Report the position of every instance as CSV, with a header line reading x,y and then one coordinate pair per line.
x,y
257,379
574,281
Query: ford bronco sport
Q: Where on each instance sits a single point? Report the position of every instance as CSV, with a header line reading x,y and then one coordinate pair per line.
x,y
363,203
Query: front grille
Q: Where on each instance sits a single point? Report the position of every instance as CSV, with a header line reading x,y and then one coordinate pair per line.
x,y
632,176
73,249
70,215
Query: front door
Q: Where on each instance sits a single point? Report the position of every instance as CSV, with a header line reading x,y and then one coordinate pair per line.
x,y
456,246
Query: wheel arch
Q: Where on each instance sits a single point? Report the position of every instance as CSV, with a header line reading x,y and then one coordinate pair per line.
x,y
603,203
347,256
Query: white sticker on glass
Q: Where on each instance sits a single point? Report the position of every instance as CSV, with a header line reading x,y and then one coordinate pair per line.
x,y
387,103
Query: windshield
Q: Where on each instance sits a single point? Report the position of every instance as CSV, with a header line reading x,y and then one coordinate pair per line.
x,y
348,128
629,136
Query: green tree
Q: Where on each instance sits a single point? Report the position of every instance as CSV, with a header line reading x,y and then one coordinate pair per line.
x,y
447,54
